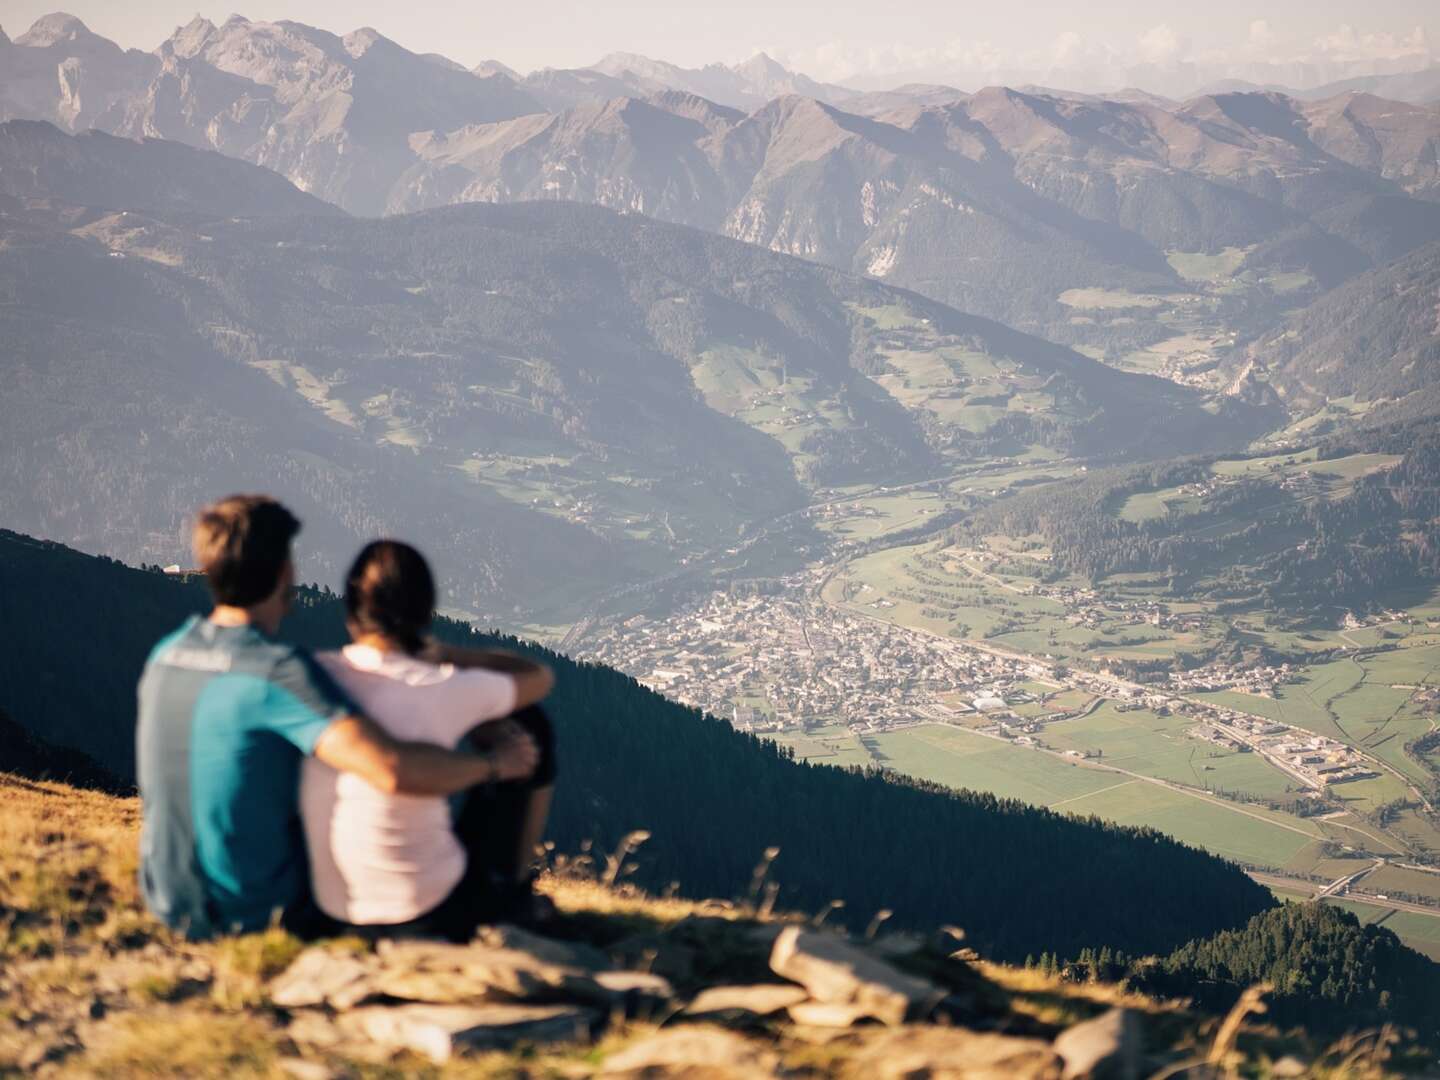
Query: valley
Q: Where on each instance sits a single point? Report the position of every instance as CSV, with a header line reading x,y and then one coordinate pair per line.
x,y
1303,748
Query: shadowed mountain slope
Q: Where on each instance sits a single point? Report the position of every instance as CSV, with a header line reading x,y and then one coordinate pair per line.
x,y
40,162
554,393
1376,338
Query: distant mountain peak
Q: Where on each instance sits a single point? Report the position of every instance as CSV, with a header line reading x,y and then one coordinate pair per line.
x,y
486,68
52,29
191,38
359,42
633,61
762,64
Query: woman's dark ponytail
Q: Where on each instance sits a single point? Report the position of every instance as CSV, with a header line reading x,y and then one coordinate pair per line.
x,y
391,591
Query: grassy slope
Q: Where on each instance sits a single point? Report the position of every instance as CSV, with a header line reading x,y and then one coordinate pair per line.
x,y
89,982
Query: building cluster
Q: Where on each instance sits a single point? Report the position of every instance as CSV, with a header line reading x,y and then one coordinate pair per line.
x,y
776,663
788,661
1317,761
1262,680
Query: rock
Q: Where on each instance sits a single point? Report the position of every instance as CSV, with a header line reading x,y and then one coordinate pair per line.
x,y
712,1053
562,953
441,1032
1289,1066
829,1014
764,999
837,972
1109,1046
314,1030
300,1069
450,974
636,992
926,1052
320,977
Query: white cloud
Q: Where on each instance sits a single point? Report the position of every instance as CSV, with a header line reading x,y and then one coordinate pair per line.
x,y
1162,45
1260,51
1345,43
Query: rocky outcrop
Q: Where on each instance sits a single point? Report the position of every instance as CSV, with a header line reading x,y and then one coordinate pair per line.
x,y
908,1007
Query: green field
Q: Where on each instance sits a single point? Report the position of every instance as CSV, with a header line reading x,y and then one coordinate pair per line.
x,y
1201,266
830,745
1143,742
945,590
1108,299
963,759
1401,882
1363,700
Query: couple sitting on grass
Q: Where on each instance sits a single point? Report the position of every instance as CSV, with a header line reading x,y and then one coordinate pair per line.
x,y
317,790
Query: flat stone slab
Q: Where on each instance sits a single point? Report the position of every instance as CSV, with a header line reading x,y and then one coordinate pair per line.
x,y
439,973
762,999
836,972
321,977
1109,1047
698,1051
442,1032
829,1014
551,950
637,989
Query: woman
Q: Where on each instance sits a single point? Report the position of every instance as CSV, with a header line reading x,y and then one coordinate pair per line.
x,y
407,863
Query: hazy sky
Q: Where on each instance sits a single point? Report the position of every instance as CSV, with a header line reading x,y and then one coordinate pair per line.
x,y
828,38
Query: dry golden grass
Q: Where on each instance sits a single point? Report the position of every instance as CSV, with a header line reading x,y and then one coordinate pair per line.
x,y
68,867
101,990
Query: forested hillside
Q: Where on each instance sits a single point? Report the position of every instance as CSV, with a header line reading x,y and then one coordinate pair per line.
x,y
1298,537
1325,970
540,385
1376,339
713,799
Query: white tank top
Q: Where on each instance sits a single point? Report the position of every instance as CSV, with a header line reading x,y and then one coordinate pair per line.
x,y
378,859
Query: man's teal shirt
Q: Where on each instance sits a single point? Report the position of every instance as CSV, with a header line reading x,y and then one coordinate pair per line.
x,y
226,715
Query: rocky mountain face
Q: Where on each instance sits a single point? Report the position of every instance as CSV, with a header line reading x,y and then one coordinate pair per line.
x,y
618,392
996,202
332,114
748,85
62,72
804,178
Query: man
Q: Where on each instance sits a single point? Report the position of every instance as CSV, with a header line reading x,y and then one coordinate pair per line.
x,y
226,714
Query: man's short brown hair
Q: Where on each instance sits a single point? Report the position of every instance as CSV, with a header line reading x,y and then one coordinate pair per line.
x,y
242,543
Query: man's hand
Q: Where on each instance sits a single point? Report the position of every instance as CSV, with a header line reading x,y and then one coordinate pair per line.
x,y
514,753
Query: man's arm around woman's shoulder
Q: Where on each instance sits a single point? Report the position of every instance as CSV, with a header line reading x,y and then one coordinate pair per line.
x,y
533,680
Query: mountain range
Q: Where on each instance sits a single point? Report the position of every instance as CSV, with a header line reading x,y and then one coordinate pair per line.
x,y
537,385
998,202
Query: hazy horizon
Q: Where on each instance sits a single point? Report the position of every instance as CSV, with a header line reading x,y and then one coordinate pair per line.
x,y
1117,43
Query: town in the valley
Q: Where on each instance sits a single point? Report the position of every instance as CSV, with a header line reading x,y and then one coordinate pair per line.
x,y
788,661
